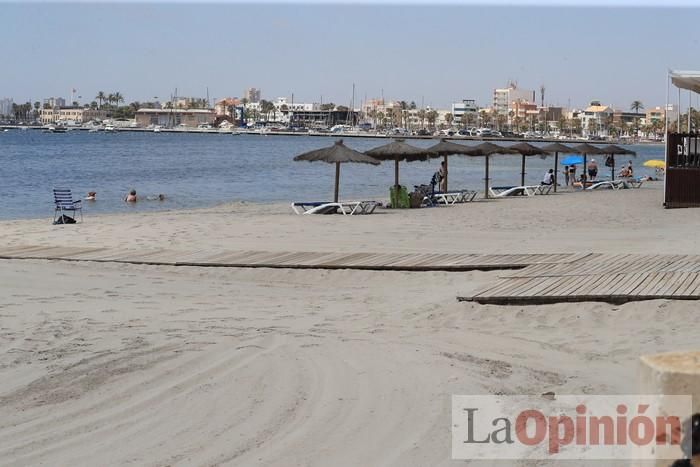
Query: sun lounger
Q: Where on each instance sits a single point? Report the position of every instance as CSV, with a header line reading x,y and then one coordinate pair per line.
x,y
542,189
612,184
506,191
347,208
453,197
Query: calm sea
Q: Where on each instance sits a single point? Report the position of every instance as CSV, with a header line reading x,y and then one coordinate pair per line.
x,y
197,170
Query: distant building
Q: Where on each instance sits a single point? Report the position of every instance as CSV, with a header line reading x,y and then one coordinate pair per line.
x,y
252,95
505,98
55,102
658,114
6,106
70,115
468,107
223,106
175,117
595,115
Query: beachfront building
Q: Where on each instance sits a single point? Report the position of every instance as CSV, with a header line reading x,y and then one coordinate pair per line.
x,y
465,111
70,115
504,99
6,106
252,95
175,117
595,118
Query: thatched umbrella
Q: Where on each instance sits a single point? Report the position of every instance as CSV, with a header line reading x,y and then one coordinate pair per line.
x,y
447,148
488,149
585,149
612,150
397,151
527,149
337,154
557,148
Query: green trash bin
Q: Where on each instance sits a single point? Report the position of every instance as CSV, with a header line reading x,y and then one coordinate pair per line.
x,y
399,199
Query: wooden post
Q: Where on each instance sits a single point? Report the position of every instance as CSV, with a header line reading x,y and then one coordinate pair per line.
x,y
396,173
486,177
522,171
445,172
612,167
556,170
674,373
337,181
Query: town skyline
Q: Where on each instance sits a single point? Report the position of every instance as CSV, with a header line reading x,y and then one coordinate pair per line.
x,y
433,56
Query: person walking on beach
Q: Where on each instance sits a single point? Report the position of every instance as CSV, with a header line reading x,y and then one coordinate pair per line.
x,y
566,175
592,170
548,178
572,174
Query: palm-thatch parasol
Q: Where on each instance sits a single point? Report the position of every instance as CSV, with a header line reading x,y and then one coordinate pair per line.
x,y
447,148
585,149
557,148
527,149
613,150
397,151
337,154
488,149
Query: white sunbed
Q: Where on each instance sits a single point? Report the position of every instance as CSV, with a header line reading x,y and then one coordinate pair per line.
x,y
632,182
347,208
613,184
522,190
453,197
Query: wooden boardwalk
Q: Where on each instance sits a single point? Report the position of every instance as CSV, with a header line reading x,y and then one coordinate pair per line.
x,y
291,260
608,278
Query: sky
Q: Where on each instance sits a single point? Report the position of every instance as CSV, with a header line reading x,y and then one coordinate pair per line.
x,y
431,54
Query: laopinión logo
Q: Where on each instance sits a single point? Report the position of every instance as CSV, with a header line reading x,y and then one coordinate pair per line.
x,y
633,427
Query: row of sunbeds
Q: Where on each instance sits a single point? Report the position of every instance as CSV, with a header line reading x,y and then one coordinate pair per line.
x,y
452,197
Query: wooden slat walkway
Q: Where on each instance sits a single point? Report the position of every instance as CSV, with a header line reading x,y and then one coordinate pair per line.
x,y
292,260
608,278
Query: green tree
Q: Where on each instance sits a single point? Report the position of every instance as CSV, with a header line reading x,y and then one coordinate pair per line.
x,y
449,118
100,98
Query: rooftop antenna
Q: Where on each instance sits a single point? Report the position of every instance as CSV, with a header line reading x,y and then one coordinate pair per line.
x,y
542,95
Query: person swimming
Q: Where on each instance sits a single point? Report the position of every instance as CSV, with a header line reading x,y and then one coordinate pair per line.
x,y
131,197
91,196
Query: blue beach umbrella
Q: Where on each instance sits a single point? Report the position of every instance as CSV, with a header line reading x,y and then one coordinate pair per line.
x,y
571,160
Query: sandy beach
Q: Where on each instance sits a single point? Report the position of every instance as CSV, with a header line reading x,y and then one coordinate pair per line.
x,y
119,364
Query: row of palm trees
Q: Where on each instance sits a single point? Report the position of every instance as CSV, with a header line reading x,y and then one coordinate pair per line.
x,y
113,99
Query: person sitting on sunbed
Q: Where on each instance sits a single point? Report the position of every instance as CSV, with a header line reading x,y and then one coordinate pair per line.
x,y
548,178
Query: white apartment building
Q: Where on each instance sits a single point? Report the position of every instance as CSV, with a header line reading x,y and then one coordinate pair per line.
x,y
504,98
467,106
55,102
597,113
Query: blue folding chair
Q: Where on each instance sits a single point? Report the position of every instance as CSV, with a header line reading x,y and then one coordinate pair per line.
x,y
63,199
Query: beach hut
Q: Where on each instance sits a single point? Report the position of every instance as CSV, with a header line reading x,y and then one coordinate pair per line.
x,y
447,148
337,154
487,150
557,148
612,150
527,149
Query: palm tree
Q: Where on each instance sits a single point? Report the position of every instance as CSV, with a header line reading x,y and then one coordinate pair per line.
x,y
109,99
421,115
118,98
448,119
432,118
636,106
100,97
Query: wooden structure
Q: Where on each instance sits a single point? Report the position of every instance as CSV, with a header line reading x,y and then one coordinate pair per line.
x,y
682,180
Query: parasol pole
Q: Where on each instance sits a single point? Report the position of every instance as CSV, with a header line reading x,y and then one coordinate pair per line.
x,y
612,167
337,181
486,177
522,171
445,172
584,172
396,172
556,169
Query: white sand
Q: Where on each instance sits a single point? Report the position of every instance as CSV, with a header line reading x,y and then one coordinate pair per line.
x,y
106,364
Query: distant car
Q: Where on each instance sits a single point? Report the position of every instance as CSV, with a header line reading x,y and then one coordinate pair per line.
x,y
496,134
464,132
484,132
423,132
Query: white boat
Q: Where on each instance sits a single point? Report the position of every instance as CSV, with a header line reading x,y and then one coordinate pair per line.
x,y
110,129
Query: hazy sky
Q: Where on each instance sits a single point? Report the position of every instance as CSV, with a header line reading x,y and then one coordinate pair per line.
x,y
439,53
